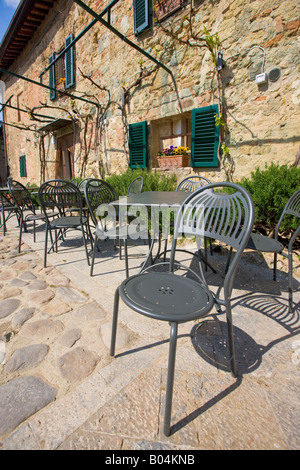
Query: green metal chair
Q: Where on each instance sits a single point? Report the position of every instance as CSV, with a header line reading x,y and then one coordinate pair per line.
x,y
8,208
168,296
26,210
100,193
273,245
62,195
191,184
136,186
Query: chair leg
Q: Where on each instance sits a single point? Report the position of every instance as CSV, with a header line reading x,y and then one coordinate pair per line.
x,y
46,242
170,378
85,245
93,255
231,341
114,323
20,235
290,258
126,258
3,221
275,267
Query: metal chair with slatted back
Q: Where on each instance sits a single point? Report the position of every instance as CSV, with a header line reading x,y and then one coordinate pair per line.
x,y
136,186
8,208
264,243
192,184
63,195
174,298
27,212
99,194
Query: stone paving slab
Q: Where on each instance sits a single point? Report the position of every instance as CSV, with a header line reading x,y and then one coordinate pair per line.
x,y
54,336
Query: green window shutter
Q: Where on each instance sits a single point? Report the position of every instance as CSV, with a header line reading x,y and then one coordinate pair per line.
x,y
205,137
142,15
52,77
138,145
69,62
22,163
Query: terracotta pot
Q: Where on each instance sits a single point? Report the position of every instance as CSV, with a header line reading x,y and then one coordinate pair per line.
x,y
61,87
173,161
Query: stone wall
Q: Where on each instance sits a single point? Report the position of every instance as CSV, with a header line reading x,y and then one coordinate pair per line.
x,y
263,120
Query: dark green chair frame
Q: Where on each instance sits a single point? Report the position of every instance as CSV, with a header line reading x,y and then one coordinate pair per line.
x,y
8,208
167,296
264,243
62,195
26,210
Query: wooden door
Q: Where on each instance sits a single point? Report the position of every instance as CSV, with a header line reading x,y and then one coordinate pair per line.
x,y
64,158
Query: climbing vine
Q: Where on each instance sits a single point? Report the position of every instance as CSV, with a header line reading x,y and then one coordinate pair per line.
x,y
211,42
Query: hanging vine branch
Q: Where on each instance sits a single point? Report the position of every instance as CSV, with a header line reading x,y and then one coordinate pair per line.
x,y
212,43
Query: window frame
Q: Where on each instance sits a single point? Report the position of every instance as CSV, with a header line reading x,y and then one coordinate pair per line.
x,y
64,66
142,15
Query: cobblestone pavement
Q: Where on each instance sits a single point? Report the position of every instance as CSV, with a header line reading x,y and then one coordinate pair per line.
x,y
60,389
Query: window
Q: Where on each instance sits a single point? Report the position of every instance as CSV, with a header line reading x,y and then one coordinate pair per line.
x,y
60,68
142,14
62,71
174,130
194,129
205,137
138,145
22,164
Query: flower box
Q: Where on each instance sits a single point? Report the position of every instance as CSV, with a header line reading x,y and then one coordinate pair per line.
x,y
173,161
61,87
164,8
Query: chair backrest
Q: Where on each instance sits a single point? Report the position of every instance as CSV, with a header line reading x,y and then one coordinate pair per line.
x,y
20,195
98,192
136,186
6,201
222,211
82,183
292,208
192,183
60,194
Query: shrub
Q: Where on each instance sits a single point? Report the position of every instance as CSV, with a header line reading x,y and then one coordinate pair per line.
x,y
153,181
270,190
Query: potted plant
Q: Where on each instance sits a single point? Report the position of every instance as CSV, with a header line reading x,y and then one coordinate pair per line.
x,y
61,86
173,157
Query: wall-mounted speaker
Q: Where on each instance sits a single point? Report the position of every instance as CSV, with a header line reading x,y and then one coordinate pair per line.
x,y
274,74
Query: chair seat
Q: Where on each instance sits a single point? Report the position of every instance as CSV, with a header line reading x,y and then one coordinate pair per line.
x,y
68,222
40,216
166,296
264,243
8,208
